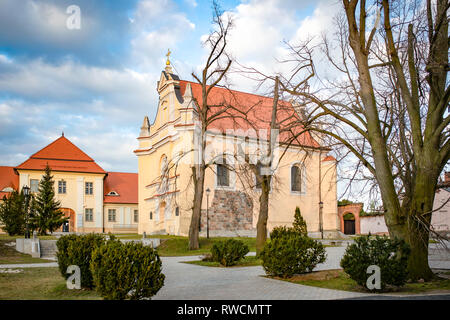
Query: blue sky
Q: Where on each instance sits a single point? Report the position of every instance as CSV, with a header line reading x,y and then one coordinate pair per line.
x,y
97,83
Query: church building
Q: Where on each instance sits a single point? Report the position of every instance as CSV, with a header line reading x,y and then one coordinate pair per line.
x,y
305,176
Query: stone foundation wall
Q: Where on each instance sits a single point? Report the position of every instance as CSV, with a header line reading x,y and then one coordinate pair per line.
x,y
228,211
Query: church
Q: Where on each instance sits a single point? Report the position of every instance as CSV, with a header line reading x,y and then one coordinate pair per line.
x,y
305,176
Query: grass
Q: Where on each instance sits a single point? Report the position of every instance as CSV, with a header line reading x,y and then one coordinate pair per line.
x,y
178,246
171,246
13,238
40,284
9,255
339,280
248,261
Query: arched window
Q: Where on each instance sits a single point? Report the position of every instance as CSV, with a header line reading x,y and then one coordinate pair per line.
x,y
296,178
151,215
177,211
223,174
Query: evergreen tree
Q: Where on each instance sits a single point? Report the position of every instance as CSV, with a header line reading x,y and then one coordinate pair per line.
x,y
12,213
47,214
299,224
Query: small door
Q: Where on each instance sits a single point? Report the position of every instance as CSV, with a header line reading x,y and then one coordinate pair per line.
x,y
349,226
69,226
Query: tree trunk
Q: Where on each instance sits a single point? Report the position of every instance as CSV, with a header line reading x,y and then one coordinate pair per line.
x,y
199,180
261,226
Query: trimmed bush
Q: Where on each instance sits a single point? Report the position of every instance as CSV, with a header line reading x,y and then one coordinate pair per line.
x,y
228,252
77,250
289,252
130,270
390,255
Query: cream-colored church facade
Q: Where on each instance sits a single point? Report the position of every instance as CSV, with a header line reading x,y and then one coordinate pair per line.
x,y
165,187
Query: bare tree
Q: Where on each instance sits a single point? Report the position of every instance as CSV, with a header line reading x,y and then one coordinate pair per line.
x,y
214,71
276,135
390,111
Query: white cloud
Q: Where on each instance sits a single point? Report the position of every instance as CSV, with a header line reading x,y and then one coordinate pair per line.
x,y
192,3
157,27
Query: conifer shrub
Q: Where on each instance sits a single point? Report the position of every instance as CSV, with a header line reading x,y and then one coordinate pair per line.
x,y
12,213
228,252
77,250
299,224
390,255
126,271
289,252
282,231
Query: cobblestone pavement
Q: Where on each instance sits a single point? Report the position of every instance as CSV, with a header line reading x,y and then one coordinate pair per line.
x,y
186,281
191,282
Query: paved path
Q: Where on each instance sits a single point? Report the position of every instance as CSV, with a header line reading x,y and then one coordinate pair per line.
x,y
193,282
29,265
188,282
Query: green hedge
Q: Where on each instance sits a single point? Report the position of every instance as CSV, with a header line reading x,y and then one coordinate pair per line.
x,y
289,252
77,250
228,252
130,270
390,255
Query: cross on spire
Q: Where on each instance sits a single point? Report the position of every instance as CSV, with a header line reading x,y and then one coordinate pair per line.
x,y
168,57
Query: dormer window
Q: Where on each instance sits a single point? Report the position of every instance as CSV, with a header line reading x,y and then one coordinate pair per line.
x,y
8,189
112,193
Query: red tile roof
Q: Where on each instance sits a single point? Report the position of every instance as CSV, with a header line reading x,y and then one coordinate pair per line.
x,y
62,155
258,110
329,158
125,184
8,179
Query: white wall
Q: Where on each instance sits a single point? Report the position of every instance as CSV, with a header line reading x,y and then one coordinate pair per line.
x,y
440,219
373,224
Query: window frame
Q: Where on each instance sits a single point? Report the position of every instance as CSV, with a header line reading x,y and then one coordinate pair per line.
x,y
89,191
31,185
91,214
62,186
231,175
109,215
302,176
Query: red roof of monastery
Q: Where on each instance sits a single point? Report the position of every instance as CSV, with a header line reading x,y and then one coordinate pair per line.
x,y
258,110
8,179
62,155
124,184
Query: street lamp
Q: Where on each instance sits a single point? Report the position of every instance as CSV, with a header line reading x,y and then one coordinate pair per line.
x,y
207,212
320,218
26,193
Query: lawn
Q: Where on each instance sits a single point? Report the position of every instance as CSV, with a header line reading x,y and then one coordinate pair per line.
x,y
248,261
9,255
4,236
178,246
40,284
339,280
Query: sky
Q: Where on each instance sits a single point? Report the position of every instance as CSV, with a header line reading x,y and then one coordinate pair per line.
x,y
96,83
